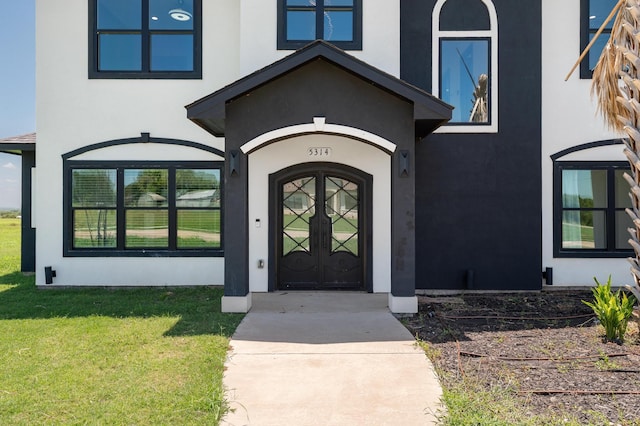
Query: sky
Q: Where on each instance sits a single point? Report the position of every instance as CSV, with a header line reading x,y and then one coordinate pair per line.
x,y
17,89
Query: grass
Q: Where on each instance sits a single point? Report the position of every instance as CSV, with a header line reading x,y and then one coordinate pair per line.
x,y
468,401
98,356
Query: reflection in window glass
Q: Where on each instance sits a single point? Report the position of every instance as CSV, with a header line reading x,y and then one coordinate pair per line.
x,y
198,228
147,228
145,187
584,188
95,228
94,188
161,42
170,15
464,79
129,209
119,14
331,20
298,207
583,230
338,25
593,198
598,12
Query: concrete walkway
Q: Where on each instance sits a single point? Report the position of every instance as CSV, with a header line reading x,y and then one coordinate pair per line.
x,y
309,358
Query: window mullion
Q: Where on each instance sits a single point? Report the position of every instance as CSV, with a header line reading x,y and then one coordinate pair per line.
x,y
172,210
320,20
120,210
146,38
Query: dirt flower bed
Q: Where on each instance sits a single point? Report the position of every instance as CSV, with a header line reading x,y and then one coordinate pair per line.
x,y
545,349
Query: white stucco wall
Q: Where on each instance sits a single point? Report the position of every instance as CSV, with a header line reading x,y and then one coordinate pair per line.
x,y
276,156
569,118
74,111
380,35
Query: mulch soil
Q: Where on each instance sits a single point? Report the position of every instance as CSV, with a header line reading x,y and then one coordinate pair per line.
x,y
546,348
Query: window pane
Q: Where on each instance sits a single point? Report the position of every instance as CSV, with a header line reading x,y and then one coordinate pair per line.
x,y
170,15
596,49
172,52
119,52
623,222
341,205
301,25
94,228
622,189
198,228
145,187
598,12
298,207
338,3
464,76
93,188
198,188
338,25
584,188
119,14
147,228
301,3
584,230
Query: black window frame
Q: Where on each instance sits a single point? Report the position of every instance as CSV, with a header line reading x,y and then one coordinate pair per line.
x,y
285,44
146,73
120,251
610,221
585,32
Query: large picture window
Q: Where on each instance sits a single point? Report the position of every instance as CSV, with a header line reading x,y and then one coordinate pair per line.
x,y
593,13
145,39
143,209
336,21
590,217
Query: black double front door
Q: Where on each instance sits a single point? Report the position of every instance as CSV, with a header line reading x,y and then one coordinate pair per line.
x,y
321,228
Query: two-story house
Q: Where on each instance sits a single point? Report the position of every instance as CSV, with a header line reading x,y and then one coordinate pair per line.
x,y
388,146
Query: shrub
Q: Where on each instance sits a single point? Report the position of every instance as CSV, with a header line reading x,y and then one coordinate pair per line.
x,y
613,310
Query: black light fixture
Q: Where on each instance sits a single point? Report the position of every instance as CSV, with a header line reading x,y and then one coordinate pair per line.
x,y
180,13
49,275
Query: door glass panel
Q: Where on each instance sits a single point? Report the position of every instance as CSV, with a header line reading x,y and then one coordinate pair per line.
x,y
298,206
341,205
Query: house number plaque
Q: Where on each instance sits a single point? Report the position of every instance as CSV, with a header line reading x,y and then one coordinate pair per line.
x,y
319,151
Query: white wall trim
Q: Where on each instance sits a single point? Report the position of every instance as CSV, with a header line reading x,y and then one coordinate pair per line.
x,y
319,125
435,66
403,305
236,304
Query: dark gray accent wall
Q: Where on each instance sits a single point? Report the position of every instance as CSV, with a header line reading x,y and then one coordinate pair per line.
x,y
28,238
320,88
478,196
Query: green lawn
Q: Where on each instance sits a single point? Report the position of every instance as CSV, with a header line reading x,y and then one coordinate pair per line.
x,y
96,356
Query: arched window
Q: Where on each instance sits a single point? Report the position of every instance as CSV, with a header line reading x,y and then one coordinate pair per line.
x,y
465,63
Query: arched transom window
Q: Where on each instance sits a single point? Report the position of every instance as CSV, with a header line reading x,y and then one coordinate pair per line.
x,y
465,63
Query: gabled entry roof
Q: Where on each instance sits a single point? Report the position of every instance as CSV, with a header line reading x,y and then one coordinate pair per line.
x,y
429,111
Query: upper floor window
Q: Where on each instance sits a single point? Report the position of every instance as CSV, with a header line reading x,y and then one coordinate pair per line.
x,y
336,21
465,63
145,39
593,14
590,200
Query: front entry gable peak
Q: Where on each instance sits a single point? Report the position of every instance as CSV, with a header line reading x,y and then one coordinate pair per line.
x,y
210,112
